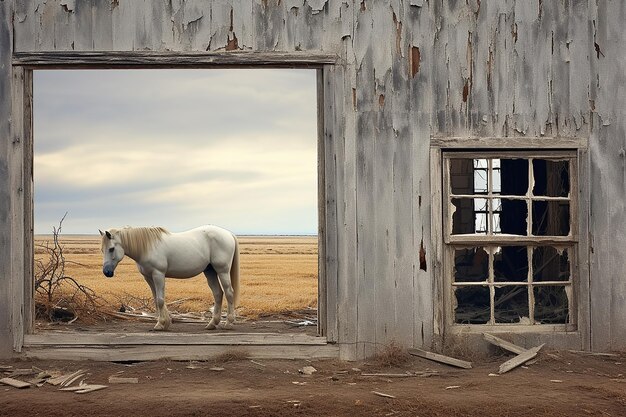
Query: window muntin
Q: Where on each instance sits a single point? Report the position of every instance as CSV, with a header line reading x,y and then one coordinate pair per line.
x,y
510,237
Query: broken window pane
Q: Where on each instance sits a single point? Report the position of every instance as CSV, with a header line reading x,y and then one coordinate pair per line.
x,y
470,215
551,305
511,305
471,265
462,176
513,176
512,215
472,305
551,178
550,264
510,264
551,218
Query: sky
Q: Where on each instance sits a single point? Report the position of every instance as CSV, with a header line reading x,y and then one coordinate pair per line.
x,y
176,148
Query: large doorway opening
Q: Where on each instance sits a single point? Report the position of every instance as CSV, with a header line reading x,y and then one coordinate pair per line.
x,y
177,149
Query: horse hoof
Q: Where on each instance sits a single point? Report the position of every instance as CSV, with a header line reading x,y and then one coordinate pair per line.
x,y
161,327
227,326
211,326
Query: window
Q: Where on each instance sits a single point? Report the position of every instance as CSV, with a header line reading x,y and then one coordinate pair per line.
x,y
510,234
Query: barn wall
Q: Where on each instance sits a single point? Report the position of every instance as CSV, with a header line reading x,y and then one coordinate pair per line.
x,y
608,175
407,70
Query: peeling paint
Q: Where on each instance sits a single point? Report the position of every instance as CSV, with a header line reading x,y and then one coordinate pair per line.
x,y
423,265
316,5
415,61
68,5
232,44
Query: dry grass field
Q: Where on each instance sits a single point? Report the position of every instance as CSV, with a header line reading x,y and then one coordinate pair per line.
x,y
278,274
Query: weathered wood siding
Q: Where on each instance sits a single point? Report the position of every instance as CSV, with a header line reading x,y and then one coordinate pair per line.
x,y
408,70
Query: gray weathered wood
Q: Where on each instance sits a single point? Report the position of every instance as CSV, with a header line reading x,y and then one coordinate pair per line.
x,y
8,219
440,358
180,352
121,59
520,359
511,347
86,339
15,383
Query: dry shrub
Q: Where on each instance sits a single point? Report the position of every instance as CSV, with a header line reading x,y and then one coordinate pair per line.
x,y
461,347
391,355
234,355
59,297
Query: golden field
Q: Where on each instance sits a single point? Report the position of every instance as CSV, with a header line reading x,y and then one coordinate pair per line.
x,y
277,274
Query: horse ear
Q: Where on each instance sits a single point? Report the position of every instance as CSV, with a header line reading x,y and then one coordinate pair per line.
x,y
101,232
108,235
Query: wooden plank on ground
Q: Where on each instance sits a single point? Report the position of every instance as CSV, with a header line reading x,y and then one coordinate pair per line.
x,y
440,358
519,359
494,340
15,383
123,380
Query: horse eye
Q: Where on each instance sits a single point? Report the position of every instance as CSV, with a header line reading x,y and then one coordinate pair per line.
x,y
111,250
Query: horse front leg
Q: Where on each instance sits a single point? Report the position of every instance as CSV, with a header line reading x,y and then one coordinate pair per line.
x,y
164,320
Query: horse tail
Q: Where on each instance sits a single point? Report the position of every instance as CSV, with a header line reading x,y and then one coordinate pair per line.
x,y
234,272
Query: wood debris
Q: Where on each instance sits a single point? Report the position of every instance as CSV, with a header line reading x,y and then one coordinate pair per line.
x,y
123,380
84,388
307,370
15,383
405,375
63,379
586,353
494,340
519,359
382,394
440,358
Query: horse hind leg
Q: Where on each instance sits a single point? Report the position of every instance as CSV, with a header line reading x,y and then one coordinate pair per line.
x,y
216,289
224,278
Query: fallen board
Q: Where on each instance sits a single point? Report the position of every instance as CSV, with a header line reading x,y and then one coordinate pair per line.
x,y
15,383
494,340
519,359
123,380
440,358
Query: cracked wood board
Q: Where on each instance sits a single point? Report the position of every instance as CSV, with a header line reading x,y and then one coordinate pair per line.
x,y
440,358
519,359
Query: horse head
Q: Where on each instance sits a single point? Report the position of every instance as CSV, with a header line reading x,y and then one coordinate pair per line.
x,y
112,251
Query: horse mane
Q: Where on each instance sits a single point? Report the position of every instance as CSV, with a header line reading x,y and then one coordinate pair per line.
x,y
138,240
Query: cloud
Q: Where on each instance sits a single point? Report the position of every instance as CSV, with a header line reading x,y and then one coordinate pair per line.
x,y
176,148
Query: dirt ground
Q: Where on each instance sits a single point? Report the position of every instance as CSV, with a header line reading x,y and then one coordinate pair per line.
x,y
559,383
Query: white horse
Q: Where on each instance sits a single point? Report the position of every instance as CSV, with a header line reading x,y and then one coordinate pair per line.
x,y
159,254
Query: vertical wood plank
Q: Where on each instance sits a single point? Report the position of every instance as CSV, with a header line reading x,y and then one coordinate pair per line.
x,y
7,243
16,175
29,287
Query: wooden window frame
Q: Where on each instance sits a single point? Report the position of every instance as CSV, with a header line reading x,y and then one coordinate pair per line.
x,y
202,345
574,149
